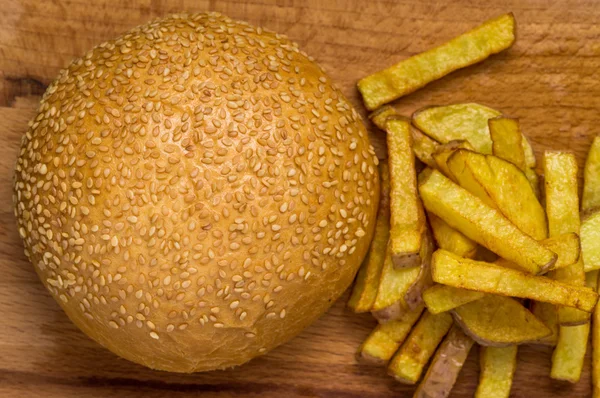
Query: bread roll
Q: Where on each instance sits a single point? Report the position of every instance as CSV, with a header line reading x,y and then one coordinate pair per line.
x,y
195,192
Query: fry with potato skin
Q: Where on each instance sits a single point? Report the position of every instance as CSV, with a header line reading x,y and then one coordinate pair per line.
x,y
452,270
407,217
445,365
497,182
481,223
562,210
442,298
385,339
499,321
407,364
365,287
548,314
415,72
568,356
497,367
591,178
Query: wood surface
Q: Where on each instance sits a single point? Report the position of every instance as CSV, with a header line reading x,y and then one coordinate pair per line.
x,y
550,80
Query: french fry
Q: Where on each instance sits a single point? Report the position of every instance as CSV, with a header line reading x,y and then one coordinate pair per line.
x,y
481,223
400,289
562,209
548,314
498,365
596,350
367,280
444,151
407,364
452,270
415,72
468,121
448,238
591,178
394,284
385,339
568,356
507,141
423,147
497,183
445,365
590,241
407,217
499,321
442,298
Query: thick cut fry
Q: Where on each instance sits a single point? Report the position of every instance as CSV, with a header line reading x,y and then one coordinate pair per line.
x,y
448,238
394,284
565,246
562,209
415,72
407,364
498,365
497,183
367,280
386,338
457,122
400,289
591,178
442,298
407,217
548,314
568,356
444,151
452,270
507,141
534,181
423,147
499,321
590,241
596,350
464,122
481,223
445,365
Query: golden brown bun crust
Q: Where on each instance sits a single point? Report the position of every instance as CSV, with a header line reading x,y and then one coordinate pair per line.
x,y
195,192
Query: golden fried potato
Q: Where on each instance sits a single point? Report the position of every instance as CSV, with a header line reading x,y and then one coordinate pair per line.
x,y
407,217
385,339
415,72
507,141
442,298
452,270
498,182
445,365
499,321
596,350
591,178
590,241
444,151
407,364
481,223
568,356
448,238
548,314
497,367
367,280
467,121
423,147
562,209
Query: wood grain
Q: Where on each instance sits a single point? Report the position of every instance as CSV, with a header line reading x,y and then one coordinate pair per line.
x,y
550,80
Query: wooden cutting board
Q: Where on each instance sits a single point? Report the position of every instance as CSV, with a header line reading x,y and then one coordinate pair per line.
x,y
550,80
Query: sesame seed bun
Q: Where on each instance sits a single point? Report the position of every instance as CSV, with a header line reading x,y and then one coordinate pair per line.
x,y
195,192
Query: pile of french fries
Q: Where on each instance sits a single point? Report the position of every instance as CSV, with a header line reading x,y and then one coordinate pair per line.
x,y
467,247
